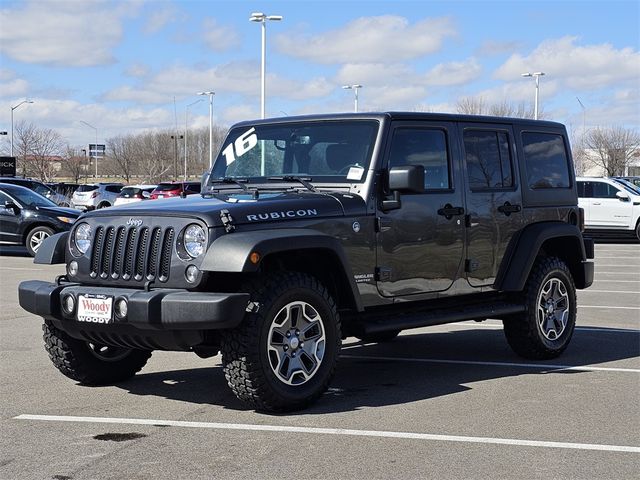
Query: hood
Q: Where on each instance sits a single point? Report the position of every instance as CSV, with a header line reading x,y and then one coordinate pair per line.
x,y
61,211
243,208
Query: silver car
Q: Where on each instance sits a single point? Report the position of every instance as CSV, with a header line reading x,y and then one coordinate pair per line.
x,y
97,195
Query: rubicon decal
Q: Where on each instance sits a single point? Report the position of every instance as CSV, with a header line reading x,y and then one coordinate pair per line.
x,y
307,212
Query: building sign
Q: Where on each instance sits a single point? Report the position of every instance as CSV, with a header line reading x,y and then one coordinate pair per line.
x,y
7,166
96,151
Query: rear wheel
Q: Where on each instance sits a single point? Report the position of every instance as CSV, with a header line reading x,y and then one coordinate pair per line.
x,y
547,325
103,205
283,356
91,363
36,237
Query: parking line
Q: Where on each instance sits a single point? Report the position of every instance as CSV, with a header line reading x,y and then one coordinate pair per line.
x,y
616,281
617,273
337,431
607,306
537,366
589,290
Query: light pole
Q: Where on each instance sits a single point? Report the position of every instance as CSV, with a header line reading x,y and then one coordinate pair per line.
x,y
262,18
584,118
186,126
211,94
12,109
95,156
537,76
355,91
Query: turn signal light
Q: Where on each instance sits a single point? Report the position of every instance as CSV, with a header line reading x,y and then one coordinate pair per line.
x,y
254,258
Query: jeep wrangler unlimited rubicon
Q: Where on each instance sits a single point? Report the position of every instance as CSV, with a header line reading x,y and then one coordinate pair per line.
x,y
312,229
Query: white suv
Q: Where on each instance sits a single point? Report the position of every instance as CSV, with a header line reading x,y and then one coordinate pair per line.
x,y
97,195
609,206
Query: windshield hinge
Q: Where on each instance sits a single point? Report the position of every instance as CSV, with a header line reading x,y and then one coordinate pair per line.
x,y
227,221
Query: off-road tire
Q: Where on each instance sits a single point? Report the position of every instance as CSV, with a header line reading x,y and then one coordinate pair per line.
x,y
75,359
245,355
524,332
380,337
37,235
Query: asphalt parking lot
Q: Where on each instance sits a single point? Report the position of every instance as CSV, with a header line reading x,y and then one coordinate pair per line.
x,y
441,402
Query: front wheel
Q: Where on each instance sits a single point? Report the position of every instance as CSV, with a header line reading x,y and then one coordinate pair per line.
x,y
36,237
284,354
545,329
91,363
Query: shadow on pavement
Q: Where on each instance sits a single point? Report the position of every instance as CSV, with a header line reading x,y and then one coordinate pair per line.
x,y
14,251
378,382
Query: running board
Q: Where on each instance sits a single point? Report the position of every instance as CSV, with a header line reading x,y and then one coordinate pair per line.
x,y
377,322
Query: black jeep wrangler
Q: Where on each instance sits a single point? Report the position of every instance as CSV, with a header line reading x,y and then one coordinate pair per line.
x,y
312,229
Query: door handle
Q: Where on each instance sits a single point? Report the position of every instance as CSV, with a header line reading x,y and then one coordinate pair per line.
x,y
448,211
508,209
596,203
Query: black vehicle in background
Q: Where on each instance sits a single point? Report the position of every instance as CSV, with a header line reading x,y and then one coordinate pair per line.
x,y
40,188
27,218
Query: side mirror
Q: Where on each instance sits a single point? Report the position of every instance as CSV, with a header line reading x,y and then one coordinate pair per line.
x,y
204,180
622,196
9,205
407,179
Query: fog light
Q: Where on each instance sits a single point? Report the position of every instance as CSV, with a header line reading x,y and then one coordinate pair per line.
x,y
192,273
72,268
69,304
121,308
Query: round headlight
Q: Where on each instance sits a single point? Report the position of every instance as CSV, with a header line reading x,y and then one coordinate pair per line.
x,y
82,238
194,240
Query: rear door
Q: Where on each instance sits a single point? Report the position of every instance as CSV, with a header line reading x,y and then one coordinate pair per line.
x,y
493,200
420,245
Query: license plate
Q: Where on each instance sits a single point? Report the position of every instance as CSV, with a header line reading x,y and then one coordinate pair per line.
x,y
160,196
95,308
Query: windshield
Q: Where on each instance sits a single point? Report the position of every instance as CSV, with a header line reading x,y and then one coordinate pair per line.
x,y
29,197
331,152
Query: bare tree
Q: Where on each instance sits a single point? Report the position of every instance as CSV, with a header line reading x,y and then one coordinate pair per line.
x,y
37,149
74,163
121,151
471,106
477,106
612,148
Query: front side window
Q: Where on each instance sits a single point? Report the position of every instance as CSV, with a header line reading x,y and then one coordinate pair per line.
x,y
604,190
546,159
426,147
323,151
488,158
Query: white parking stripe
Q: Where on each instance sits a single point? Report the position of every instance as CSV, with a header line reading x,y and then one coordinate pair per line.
x,y
337,431
607,306
590,290
616,281
618,273
537,366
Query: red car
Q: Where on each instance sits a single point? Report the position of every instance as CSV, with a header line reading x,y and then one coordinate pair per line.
x,y
174,189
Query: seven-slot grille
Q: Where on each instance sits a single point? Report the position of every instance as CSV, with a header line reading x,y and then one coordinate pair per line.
x,y
132,253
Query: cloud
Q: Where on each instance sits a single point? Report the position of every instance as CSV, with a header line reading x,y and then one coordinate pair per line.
x,y
137,70
454,73
219,38
577,66
162,17
492,47
63,33
370,40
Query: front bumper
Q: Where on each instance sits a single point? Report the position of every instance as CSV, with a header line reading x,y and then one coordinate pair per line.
x,y
160,309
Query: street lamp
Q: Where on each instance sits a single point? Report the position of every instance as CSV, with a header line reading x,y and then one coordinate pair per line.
x,y
186,120
537,76
262,18
95,150
211,94
355,91
584,118
12,109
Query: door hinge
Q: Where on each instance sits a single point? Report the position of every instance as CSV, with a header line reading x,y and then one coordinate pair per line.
x,y
383,274
471,264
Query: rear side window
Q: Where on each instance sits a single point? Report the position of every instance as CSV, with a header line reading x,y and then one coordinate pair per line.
x,y
164,187
488,160
546,160
426,147
86,188
113,188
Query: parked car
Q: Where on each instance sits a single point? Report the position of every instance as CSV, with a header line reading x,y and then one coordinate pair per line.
x,y
134,193
609,206
65,189
40,188
627,183
96,195
368,225
175,189
634,180
27,218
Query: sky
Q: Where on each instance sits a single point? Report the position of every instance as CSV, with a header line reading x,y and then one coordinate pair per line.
x,y
129,66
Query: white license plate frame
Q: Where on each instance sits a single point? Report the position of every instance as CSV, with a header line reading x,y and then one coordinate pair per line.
x,y
95,308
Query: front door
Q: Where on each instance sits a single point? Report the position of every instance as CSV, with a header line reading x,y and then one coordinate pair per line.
x,y
9,221
494,204
420,245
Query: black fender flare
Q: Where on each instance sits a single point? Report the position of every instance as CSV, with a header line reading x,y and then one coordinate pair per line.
x,y
231,253
524,248
53,250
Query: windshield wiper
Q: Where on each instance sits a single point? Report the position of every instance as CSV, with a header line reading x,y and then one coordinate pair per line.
x,y
295,178
230,180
